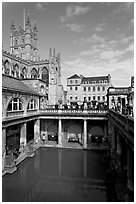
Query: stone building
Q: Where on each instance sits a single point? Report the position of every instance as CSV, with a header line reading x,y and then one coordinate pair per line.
x,y
23,63
28,85
80,88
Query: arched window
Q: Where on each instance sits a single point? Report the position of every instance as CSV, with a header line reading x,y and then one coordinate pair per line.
x,y
34,73
31,105
45,75
15,105
6,65
24,73
16,70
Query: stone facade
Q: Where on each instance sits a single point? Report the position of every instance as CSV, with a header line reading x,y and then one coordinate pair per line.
x,y
23,63
80,88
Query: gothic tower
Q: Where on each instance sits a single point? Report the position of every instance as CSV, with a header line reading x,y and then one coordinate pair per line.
x,y
23,42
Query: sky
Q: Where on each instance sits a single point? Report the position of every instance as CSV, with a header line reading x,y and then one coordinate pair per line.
x,y
93,38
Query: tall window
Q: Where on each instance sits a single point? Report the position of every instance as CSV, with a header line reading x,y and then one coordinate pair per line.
x,y
71,88
94,98
31,105
45,75
15,105
76,88
103,88
98,88
24,73
34,73
6,65
75,81
98,98
93,88
84,88
89,88
103,98
16,70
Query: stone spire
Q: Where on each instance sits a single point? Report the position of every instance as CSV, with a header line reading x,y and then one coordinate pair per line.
x,y
28,19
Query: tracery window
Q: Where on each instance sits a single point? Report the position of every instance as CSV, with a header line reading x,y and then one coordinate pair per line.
x,y
24,73
45,75
6,65
34,73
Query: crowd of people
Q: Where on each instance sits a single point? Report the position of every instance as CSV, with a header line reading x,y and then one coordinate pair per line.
x,y
126,109
82,106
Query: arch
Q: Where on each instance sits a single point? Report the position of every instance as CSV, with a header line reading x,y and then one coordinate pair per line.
x,y
34,73
32,105
45,75
6,66
15,104
74,128
16,70
96,130
24,73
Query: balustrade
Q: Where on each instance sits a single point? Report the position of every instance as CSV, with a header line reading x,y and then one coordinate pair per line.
x,y
15,113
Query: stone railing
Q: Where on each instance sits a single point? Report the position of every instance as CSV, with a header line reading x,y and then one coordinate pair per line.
x,y
15,113
72,111
127,122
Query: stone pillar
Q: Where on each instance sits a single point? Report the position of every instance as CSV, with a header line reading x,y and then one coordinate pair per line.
x,y
60,132
85,133
85,164
3,147
130,175
37,130
3,140
23,134
119,150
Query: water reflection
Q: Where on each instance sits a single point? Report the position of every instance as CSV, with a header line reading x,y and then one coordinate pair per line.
x,y
58,175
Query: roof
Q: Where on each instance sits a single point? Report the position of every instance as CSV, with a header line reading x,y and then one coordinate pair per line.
x,y
14,84
75,76
96,79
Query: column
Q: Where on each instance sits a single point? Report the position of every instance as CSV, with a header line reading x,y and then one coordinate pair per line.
x,y
130,175
119,150
3,147
60,133
37,130
23,141
85,133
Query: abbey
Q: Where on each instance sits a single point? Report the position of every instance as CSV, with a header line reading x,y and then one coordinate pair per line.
x,y
24,64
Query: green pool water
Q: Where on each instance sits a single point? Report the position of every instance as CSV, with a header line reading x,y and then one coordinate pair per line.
x,y
57,175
